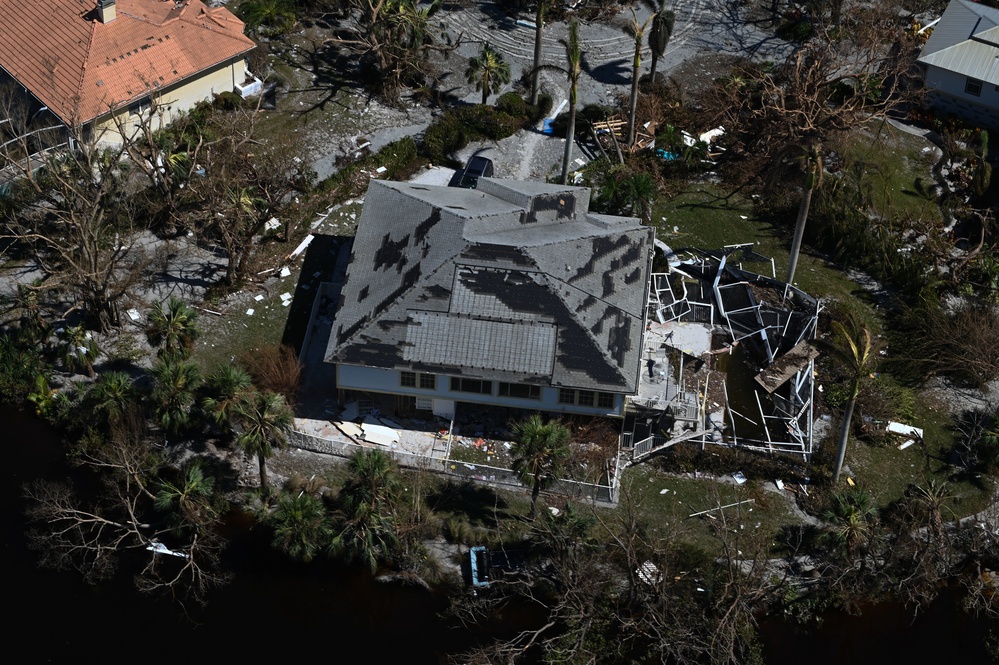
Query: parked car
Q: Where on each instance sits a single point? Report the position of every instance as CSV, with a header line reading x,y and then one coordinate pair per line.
x,y
477,167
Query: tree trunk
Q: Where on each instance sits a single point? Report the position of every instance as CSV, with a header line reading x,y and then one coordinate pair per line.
x,y
485,92
570,134
655,61
844,435
799,229
535,492
262,461
636,71
539,19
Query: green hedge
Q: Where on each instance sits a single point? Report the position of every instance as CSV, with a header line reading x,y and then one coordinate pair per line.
x,y
457,127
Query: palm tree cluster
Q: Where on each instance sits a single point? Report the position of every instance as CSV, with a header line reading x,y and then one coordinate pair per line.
x,y
357,526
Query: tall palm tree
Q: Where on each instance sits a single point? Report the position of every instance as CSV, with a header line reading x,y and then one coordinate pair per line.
x,y
660,32
540,7
540,449
636,31
372,480
812,166
859,357
263,421
302,528
111,395
572,72
488,71
174,393
175,327
224,388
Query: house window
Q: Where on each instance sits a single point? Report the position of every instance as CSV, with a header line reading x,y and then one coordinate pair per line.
x,y
587,398
139,107
471,386
973,87
412,379
519,390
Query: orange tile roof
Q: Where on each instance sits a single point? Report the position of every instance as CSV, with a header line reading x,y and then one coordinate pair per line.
x,y
81,68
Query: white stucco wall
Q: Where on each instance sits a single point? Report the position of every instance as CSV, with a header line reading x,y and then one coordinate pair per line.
x,y
947,94
377,380
172,101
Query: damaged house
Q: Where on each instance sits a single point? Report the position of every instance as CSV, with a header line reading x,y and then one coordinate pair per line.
x,y
729,358
511,295
515,295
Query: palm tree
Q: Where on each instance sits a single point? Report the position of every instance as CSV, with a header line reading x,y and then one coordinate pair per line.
x,y
302,528
224,388
539,451
365,536
663,22
488,71
372,480
812,166
641,190
175,385
540,7
175,327
852,518
636,31
858,356
263,421
31,323
79,349
112,394
572,72
191,498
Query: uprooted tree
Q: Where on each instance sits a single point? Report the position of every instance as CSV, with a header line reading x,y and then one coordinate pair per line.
x,y
167,519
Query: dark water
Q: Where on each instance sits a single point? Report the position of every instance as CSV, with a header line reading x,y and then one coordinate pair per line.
x,y
271,610
274,609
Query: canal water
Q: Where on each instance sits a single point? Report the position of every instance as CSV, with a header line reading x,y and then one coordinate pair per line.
x,y
275,609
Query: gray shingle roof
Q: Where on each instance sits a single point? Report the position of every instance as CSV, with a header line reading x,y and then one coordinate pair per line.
x,y
966,41
513,281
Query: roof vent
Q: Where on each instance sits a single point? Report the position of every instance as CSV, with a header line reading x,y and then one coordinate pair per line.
x,y
106,11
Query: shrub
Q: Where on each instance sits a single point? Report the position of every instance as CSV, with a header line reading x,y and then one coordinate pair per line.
x,y
456,127
274,369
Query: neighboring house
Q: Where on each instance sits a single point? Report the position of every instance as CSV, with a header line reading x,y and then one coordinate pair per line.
x,y
962,63
98,64
512,294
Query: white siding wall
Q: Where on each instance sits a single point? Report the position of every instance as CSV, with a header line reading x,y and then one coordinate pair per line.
x,y
373,379
947,93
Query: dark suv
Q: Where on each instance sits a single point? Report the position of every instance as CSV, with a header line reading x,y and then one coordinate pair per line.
x,y
477,167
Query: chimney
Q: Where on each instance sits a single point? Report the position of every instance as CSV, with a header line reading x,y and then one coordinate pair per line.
x,y
106,10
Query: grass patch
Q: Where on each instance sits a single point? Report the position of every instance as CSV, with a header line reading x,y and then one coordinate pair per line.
x,y
893,171
236,331
886,473
758,522
705,217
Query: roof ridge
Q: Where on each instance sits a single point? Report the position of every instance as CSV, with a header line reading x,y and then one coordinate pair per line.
x,y
598,343
86,59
